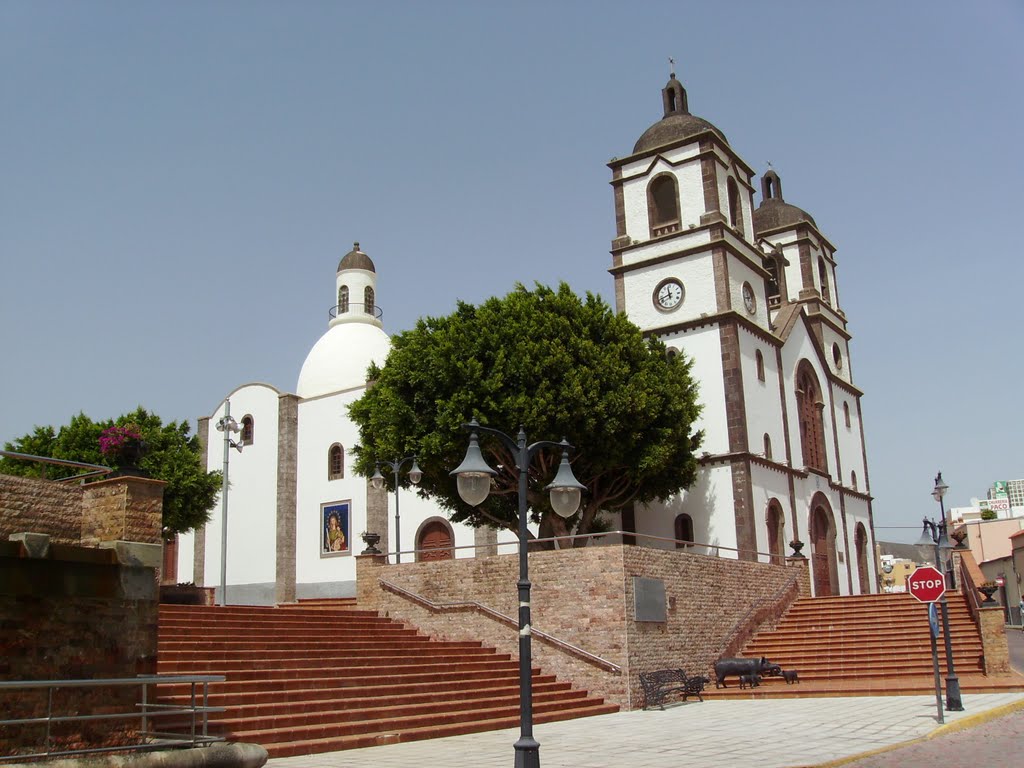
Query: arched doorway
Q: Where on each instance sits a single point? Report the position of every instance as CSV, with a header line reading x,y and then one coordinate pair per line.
x,y
434,541
861,543
823,550
775,521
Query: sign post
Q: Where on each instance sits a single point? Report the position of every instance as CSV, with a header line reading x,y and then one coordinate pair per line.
x,y
928,585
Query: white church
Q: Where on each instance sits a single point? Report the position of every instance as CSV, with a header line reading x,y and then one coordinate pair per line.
x,y
748,293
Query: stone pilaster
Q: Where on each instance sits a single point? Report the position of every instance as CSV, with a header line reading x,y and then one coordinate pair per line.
x,y
199,539
486,540
287,484
123,509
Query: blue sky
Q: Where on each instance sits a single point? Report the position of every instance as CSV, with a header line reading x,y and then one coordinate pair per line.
x,y
179,180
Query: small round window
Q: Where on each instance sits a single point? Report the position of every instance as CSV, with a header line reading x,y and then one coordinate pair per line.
x,y
837,357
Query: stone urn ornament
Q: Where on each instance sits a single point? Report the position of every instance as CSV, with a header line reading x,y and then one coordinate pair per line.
x,y
988,589
371,540
797,545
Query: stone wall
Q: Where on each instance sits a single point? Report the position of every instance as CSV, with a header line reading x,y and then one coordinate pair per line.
x,y
40,506
76,613
584,597
710,600
69,611
122,509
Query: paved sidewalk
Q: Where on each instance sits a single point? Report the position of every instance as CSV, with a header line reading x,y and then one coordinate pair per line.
x,y
771,733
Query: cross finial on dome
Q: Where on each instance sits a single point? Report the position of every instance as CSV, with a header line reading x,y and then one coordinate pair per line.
x,y
671,67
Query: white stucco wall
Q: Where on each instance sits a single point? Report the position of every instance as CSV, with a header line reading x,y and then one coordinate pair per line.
x,y
324,421
762,399
696,273
712,492
850,439
252,493
704,347
688,181
769,484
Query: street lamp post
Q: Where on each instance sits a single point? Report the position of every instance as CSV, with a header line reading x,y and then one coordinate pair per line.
x,y
227,425
415,475
935,534
474,483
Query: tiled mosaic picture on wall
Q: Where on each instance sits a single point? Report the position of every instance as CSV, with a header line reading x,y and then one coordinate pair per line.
x,y
334,529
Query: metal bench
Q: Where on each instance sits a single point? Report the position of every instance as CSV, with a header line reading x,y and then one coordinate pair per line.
x,y
663,683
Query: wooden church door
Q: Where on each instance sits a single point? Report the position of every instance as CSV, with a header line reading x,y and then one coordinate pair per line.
x,y
435,542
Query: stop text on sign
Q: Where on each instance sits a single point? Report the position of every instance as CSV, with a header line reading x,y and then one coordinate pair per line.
x,y
926,584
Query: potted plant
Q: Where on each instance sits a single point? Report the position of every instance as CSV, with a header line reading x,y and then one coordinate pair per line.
x,y
123,447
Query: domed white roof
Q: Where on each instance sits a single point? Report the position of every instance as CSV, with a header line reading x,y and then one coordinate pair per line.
x,y
340,358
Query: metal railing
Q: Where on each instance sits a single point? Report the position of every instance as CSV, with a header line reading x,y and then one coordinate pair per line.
x,y
96,469
431,605
610,538
148,713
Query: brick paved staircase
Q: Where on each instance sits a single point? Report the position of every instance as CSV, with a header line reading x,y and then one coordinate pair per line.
x,y
325,676
869,645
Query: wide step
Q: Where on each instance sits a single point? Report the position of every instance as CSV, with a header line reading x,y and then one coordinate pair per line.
x,y
323,675
867,645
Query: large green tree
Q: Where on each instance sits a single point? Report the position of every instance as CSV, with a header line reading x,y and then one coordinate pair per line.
x,y
559,366
171,455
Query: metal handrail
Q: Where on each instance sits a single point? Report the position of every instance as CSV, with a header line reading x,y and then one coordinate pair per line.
x,y
493,614
687,546
98,469
146,712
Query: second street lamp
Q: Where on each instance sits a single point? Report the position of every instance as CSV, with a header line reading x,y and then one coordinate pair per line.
x,y
474,482
415,475
935,534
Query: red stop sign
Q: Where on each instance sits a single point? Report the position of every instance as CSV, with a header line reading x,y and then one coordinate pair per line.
x,y
927,584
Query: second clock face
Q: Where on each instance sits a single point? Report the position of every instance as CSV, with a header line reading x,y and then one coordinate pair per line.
x,y
749,301
668,294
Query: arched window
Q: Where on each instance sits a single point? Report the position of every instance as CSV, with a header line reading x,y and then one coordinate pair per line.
x,y
735,212
343,300
767,446
247,430
663,205
846,414
771,263
853,479
823,278
336,462
759,361
671,353
683,531
809,406
775,522
368,300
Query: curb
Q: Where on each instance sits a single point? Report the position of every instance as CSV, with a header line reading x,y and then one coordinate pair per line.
x,y
237,755
961,724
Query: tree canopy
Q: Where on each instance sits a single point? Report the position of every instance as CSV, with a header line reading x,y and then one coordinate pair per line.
x,y
171,455
559,366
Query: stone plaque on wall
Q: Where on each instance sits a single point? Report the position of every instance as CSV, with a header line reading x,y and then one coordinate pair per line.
x,y
649,599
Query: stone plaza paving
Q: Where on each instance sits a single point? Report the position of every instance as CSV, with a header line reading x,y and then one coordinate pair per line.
x,y
767,733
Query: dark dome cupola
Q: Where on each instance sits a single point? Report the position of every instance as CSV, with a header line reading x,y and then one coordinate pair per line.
x,y
775,213
677,124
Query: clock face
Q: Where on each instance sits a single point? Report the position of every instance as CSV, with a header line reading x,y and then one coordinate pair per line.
x,y
749,301
668,294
